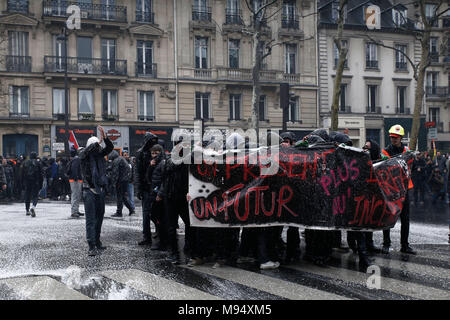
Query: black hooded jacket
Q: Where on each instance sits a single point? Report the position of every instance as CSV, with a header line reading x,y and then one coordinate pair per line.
x,y
175,183
375,150
34,166
155,174
95,154
143,157
121,170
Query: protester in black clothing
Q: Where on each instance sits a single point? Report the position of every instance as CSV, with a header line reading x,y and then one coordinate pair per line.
x,y
142,186
120,177
32,180
155,176
173,189
18,179
418,176
9,175
3,181
94,182
436,181
396,147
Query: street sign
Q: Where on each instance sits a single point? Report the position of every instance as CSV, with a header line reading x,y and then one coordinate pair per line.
x,y
432,134
58,146
430,124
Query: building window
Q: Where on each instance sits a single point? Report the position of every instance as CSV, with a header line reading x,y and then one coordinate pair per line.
x,y
201,11
59,102
335,11
202,105
344,44
433,115
108,55
59,51
371,56
430,14
84,55
400,59
291,56
401,96
342,98
18,6
19,100
85,101
144,58
289,18
146,105
372,98
262,108
18,59
233,53
235,106
144,11
294,114
109,105
432,80
201,53
434,53
399,17
233,14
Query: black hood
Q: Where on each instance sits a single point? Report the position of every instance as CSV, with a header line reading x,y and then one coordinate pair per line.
x,y
113,155
374,150
322,133
33,155
288,135
150,140
340,137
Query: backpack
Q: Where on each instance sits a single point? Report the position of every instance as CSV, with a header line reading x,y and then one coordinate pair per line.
x,y
32,170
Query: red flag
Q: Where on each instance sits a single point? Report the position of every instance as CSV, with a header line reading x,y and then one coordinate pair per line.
x,y
73,141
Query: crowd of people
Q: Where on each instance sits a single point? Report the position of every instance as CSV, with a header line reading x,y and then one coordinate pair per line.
x,y
94,172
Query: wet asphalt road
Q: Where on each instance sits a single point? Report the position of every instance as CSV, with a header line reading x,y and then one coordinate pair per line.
x,y
46,258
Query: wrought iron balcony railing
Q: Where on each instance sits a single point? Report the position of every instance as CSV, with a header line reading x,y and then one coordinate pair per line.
x,y
373,109
146,118
18,63
403,110
290,21
145,16
19,114
110,117
345,109
85,65
201,13
17,6
56,8
233,17
401,66
434,57
88,116
146,70
438,92
371,64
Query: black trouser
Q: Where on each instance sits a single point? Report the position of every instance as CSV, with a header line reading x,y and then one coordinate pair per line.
x,y
318,242
369,240
404,230
267,239
146,215
160,219
357,239
94,207
249,242
419,189
178,207
293,241
31,193
122,197
226,243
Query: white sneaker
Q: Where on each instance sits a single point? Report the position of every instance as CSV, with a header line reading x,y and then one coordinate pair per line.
x,y
269,265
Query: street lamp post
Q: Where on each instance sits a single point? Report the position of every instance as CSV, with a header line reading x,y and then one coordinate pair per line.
x,y
63,37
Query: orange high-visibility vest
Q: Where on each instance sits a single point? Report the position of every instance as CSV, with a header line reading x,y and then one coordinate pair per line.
x,y
405,149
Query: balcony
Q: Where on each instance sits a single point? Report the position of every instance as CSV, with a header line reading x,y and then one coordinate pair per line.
x,y
401,66
446,22
145,17
290,22
233,17
373,109
59,116
434,57
85,65
110,117
402,110
17,6
436,92
203,73
19,114
86,116
201,14
148,70
235,74
89,11
291,77
345,109
146,118
18,63
371,64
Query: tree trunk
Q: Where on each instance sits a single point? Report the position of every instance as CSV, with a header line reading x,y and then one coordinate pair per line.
x,y
256,67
